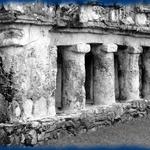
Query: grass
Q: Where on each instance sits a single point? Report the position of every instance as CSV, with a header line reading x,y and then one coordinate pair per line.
x,y
134,132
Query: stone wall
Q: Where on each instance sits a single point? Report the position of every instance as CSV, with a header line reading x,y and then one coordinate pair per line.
x,y
45,131
30,68
73,15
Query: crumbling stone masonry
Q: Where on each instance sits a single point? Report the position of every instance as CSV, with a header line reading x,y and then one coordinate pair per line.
x,y
69,69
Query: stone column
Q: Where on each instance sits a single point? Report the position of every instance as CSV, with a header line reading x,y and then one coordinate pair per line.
x,y
104,74
146,74
73,97
129,76
28,68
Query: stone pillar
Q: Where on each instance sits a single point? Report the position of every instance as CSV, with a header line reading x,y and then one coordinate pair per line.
x,y
28,64
146,74
73,97
30,81
129,76
28,67
104,74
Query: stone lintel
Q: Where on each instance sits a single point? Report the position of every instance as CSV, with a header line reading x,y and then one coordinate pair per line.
x,y
79,48
33,78
106,47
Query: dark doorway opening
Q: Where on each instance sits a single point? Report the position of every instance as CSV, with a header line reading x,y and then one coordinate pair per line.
x,y
144,64
89,60
118,57
58,93
116,65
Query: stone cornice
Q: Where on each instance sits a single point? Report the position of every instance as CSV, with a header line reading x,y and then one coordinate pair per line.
x,y
87,18
126,31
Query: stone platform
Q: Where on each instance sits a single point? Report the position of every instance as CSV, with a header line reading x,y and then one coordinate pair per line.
x,y
43,131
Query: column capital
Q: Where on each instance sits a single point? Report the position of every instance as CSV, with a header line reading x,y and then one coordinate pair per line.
x,y
79,48
105,47
134,49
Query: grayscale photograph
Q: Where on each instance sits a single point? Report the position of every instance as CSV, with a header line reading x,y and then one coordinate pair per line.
x,y
74,74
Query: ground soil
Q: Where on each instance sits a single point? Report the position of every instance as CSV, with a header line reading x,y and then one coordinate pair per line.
x,y
134,132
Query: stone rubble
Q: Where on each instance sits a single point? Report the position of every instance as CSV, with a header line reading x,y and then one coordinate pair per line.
x,y
42,132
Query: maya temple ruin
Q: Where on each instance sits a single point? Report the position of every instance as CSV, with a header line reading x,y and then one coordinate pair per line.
x,y
71,68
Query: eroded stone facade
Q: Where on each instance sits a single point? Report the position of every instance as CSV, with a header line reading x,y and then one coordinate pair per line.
x,y
44,74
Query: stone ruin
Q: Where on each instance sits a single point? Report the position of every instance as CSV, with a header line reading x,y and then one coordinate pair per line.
x,y
70,69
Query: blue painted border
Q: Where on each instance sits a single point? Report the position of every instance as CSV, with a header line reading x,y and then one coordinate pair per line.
x,y
77,148
123,147
105,2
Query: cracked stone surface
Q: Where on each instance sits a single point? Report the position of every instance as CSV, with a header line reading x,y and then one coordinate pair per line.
x,y
30,35
30,73
104,74
49,130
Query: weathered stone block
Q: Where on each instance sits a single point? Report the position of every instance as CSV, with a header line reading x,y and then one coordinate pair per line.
x,y
40,108
31,71
33,135
3,109
128,20
113,15
28,108
134,49
15,139
106,47
4,139
141,19
80,48
41,136
91,14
